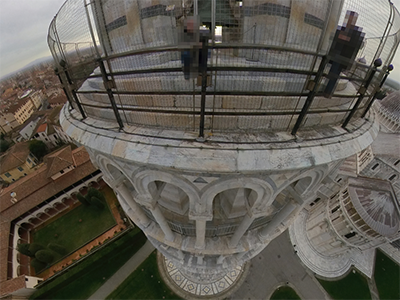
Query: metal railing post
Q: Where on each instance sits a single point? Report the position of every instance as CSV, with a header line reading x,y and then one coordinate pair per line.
x,y
203,69
362,90
389,68
108,85
310,96
65,91
70,89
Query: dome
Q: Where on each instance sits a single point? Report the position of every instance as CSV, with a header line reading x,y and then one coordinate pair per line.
x,y
376,203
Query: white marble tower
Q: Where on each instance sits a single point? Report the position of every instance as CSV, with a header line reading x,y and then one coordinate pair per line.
x,y
212,169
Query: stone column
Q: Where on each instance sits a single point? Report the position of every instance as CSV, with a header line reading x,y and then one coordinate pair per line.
x,y
200,233
160,219
278,219
139,216
240,231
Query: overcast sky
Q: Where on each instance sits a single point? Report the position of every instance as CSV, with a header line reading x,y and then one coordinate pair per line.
x,y
23,33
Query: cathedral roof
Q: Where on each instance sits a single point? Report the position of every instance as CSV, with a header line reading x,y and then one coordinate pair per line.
x,y
375,201
391,104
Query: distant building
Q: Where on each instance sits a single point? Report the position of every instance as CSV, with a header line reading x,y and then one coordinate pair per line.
x,y
57,101
7,122
26,105
43,125
30,125
45,133
37,98
17,162
22,110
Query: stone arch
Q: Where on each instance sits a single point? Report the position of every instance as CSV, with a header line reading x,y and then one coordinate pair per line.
x,y
306,182
145,180
262,192
170,196
34,221
26,226
83,189
20,231
109,167
115,172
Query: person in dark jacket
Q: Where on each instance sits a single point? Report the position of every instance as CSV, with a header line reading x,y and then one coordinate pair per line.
x,y
345,45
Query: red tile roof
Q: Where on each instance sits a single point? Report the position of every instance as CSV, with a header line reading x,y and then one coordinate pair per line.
x,y
14,157
13,285
42,128
30,191
59,161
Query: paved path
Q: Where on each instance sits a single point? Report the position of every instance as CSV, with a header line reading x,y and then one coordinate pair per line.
x,y
115,280
278,265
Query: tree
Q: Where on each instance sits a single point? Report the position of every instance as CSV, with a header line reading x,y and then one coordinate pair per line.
x,y
44,256
4,145
57,248
82,199
38,148
97,203
24,249
35,247
92,192
38,265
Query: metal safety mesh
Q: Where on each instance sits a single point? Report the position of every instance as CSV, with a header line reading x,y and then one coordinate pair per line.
x,y
262,57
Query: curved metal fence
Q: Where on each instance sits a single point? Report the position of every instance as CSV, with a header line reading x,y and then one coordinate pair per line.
x,y
266,67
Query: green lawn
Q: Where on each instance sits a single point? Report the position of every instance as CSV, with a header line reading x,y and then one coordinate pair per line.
x,y
353,286
75,228
144,283
284,292
85,278
387,277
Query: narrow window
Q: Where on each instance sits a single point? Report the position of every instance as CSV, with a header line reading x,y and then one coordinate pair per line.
x,y
20,169
350,235
375,166
335,209
392,177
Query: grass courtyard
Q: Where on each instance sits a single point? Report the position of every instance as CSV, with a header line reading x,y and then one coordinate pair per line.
x,y
77,227
83,279
284,293
387,277
353,286
144,283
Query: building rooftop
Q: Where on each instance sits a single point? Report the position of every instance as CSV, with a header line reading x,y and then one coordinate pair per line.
x,y
42,128
59,161
387,144
14,157
32,190
391,103
375,201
